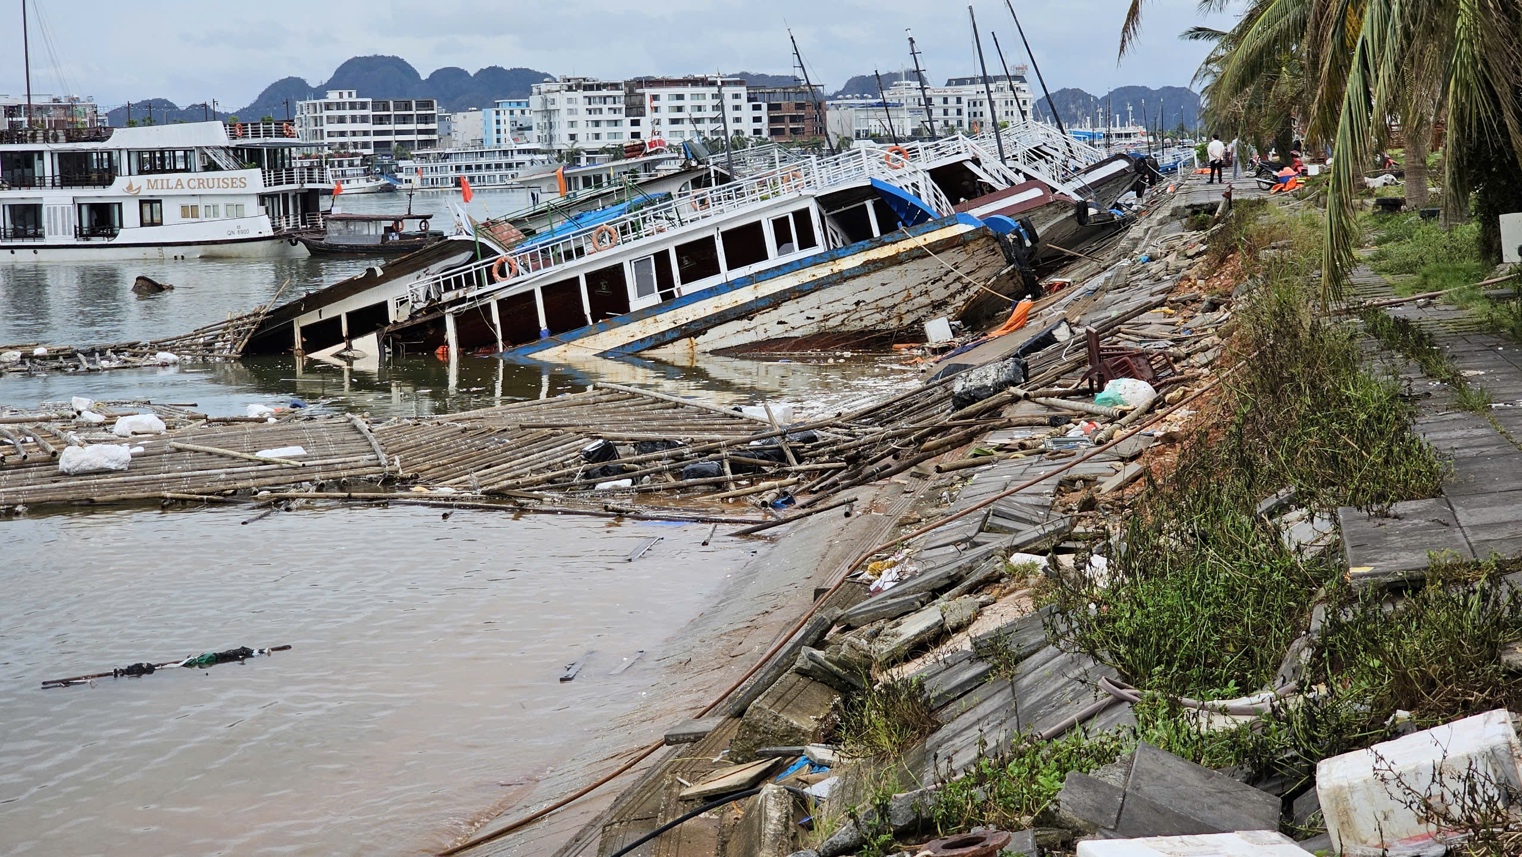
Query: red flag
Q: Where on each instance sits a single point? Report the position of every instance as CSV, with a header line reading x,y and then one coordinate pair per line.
x,y
338,188
465,191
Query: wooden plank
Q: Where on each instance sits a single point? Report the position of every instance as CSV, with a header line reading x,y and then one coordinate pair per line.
x,y
729,780
574,667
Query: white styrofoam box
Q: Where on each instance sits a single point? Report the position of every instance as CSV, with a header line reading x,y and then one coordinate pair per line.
x,y
1246,843
96,458
938,330
1367,795
1511,238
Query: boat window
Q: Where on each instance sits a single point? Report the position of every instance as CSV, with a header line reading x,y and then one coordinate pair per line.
x,y
697,260
664,277
150,212
887,221
744,245
854,222
782,231
190,212
803,227
644,277
562,306
22,221
608,292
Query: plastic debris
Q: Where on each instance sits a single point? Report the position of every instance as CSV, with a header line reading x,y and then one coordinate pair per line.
x,y
282,452
8,357
98,458
783,413
613,485
91,417
165,358
1126,392
80,404
138,424
260,411
39,351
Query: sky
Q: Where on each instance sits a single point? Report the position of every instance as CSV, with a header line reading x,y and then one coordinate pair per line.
x,y
190,51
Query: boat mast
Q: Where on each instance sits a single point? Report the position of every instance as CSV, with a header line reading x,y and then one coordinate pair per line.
x,y
1009,77
886,112
924,90
26,61
818,101
1037,66
729,155
988,89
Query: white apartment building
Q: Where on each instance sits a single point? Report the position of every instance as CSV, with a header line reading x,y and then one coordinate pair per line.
x,y
341,121
467,128
681,107
861,118
508,123
582,113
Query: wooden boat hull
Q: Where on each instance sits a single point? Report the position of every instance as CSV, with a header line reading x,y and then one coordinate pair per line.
x,y
323,247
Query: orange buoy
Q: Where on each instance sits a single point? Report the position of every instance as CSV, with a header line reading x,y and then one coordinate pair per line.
x,y
604,237
504,269
896,157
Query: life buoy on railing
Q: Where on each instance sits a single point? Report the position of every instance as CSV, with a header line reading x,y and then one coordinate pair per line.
x,y
504,269
237,129
700,201
604,237
422,226
397,226
896,157
289,131
792,178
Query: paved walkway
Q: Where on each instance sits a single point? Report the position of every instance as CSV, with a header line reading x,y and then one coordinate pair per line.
x,y
1479,514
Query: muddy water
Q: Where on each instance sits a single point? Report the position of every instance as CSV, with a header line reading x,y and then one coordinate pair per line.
x,y
422,687
421,692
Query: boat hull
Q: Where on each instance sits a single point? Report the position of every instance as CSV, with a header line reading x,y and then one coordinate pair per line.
x,y
889,285
322,247
261,247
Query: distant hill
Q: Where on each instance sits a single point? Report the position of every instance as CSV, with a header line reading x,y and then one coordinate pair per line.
x,y
1078,108
866,84
372,77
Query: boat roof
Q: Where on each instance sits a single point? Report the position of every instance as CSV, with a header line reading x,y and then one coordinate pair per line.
x,y
181,135
379,217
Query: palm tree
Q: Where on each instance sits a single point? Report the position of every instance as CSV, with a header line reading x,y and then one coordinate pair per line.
x,y
1364,62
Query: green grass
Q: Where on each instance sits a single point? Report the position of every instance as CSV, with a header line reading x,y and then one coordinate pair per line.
x,y
885,720
1014,789
1411,341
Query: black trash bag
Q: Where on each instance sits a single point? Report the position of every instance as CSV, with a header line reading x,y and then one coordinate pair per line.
x,y
975,385
703,470
599,451
645,447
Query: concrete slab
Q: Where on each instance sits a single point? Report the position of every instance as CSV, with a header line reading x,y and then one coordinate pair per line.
x,y
1256,843
1385,550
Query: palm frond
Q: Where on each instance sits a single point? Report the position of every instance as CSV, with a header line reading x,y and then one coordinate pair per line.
x,y
1353,145
1130,29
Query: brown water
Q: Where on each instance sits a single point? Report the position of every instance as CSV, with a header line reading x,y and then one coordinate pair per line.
x,y
421,690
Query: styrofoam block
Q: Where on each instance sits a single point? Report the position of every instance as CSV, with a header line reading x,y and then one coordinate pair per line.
x,y
1247,843
97,458
783,413
1367,796
138,424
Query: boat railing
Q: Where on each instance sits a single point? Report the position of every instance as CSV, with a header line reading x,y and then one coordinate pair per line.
x,y
56,135
793,180
22,233
295,176
64,181
270,130
297,222
85,233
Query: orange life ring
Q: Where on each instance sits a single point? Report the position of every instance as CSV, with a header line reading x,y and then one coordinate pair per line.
x,y
442,352
700,201
792,177
396,226
604,237
237,129
901,154
289,131
504,269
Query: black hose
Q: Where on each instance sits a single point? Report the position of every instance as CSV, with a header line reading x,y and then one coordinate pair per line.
x,y
688,816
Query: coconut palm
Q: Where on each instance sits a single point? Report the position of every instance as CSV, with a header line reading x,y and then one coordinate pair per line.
x,y
1367,61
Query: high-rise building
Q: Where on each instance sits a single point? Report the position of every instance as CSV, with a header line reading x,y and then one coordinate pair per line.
x,y
341,121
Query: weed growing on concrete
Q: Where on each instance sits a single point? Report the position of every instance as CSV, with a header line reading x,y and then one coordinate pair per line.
x,y
1412,342
1434,258
1434,654
1015,789
886,719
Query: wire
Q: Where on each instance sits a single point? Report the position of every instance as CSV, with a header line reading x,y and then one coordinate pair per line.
x,y
688,816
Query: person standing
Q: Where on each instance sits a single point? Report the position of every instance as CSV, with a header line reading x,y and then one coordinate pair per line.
x,y
1235,157
1216,152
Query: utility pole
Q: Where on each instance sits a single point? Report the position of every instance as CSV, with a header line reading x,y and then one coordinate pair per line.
x,y
129,114
26,61
287,110
886,112
988,89
924,90
1013,90
819,102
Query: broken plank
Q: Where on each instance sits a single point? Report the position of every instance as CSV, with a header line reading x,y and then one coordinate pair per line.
x,y
571,669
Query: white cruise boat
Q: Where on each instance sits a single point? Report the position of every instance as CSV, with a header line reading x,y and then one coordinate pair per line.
x,y
486,169
193,190
353,174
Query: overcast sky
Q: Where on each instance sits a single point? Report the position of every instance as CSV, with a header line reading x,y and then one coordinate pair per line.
x,y
192,50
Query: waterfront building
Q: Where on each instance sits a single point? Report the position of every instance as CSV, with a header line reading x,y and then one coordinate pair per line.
x,y
793,113
959,106
582,113
483,166
509,121
342,121
678,108
464,130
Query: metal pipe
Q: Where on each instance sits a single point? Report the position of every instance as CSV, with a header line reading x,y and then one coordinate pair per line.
x,y
988,89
